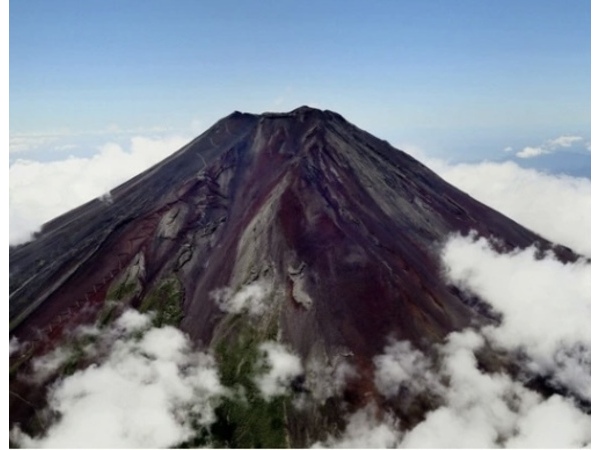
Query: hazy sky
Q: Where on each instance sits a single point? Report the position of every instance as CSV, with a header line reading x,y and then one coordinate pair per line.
x,y
460,78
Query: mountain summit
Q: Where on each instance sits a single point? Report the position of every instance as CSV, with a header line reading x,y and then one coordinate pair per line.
x,y
297,228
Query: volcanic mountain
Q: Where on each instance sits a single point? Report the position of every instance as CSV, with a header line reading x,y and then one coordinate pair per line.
x,y
335,230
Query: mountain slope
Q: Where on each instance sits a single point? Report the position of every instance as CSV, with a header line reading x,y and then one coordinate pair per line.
x,y
332,231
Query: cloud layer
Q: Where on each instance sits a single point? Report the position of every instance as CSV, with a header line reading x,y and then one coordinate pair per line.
x,y
478,409
545,307
40,191
149,391
557,207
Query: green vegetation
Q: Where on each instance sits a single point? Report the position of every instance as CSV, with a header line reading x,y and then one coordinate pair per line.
x,y
165,301
22,360
122,291
107,313
77,354
247,420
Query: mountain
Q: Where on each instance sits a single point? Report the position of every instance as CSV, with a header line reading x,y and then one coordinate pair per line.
x,y
297,228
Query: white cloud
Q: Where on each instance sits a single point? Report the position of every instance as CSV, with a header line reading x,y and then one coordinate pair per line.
x,y
364,429
402,365
149,392
478,409
132,321
556,206
281,365
519,285
550,146
250,298
13,345
531,152
40,191
65,147
485,410
564,141
571,430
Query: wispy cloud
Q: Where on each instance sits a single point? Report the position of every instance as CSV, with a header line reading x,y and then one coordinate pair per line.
x,y
550,146
564,141
249,298
326,379
61,140
21,143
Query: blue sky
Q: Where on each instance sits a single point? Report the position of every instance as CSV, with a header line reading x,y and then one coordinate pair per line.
x,y
463,78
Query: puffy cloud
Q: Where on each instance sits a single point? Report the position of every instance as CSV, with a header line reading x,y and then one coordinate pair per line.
x,y
478,409
402,365
556,206
132,320
571,430
475,414
250,298
523,287
151,391
279,368
365,430
532,152
490,409
40,191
